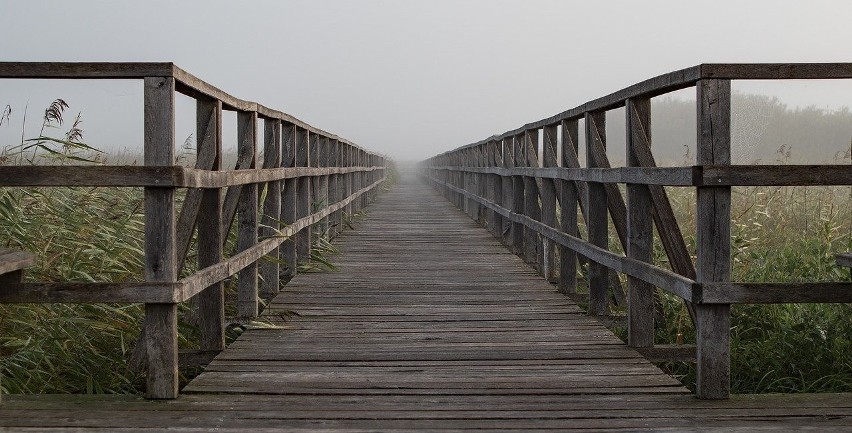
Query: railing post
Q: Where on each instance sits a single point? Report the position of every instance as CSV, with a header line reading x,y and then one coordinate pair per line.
x,y
247,210
160,325
548,201
211,301
334,187
640,232
288,201
321,184
532,209
518,193
303,195
505,150
568,202
495,188
349,183
272,204
362,161
596,216
713,240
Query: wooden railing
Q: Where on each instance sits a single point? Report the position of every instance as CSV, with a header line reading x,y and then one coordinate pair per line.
x,y
302,167
500,181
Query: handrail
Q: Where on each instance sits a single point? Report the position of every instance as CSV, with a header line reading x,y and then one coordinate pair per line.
x,y
302,166
499,180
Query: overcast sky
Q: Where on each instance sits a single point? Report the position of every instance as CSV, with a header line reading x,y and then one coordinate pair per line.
x,y
408,78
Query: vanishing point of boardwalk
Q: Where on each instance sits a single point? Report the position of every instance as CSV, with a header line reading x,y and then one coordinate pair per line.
x,y
429,324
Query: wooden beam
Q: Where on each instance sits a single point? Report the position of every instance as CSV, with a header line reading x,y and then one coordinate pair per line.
x,y
271,206
247,216
713,240
160,326
211,301
640,230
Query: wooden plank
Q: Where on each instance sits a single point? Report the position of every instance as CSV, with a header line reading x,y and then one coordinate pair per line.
x,y
640,230
713,240
89,293
247,216
211,301
507,195
844,260
160,325
269,225
775,175
14,260
518,195
774,293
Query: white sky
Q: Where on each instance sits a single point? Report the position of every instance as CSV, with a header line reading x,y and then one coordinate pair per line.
x,y
407,78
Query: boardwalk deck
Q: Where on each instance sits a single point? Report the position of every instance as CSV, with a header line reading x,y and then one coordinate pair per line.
x,y
430,324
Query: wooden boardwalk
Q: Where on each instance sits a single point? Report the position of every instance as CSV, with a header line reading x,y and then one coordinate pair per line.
x,y
430,324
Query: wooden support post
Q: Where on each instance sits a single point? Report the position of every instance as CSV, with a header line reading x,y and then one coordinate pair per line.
x,y
324,199
160,326
518,193
494,158
287,248
596,215
532,209
640,231
548,201
247,210
303,195
350,178
568,201
211,301
505,150
271,206
334,187
362,161
713,241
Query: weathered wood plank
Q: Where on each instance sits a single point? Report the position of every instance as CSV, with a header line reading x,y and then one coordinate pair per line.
x,y
713,240
211,301
160,325
596,215
14,260
247,216
640,231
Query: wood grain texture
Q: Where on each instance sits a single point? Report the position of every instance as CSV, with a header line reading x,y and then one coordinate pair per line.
x,y
640,230
160,324
12,260
713,240
211,301
596,214
247,216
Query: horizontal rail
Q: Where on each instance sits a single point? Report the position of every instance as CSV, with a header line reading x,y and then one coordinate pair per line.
x,y
707,175
165,176
186,83
683,79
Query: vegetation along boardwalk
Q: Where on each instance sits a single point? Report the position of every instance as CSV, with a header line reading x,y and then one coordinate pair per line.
x,y
428,324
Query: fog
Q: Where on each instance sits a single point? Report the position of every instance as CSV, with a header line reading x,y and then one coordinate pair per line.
x,y
408,79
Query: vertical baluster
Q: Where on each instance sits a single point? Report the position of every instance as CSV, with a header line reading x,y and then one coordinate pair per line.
x,y
713,240
247,210
272,204
303,195
640,233
289,201
507,158
548,201
568,203
211,301
597,218
532,209
160,325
